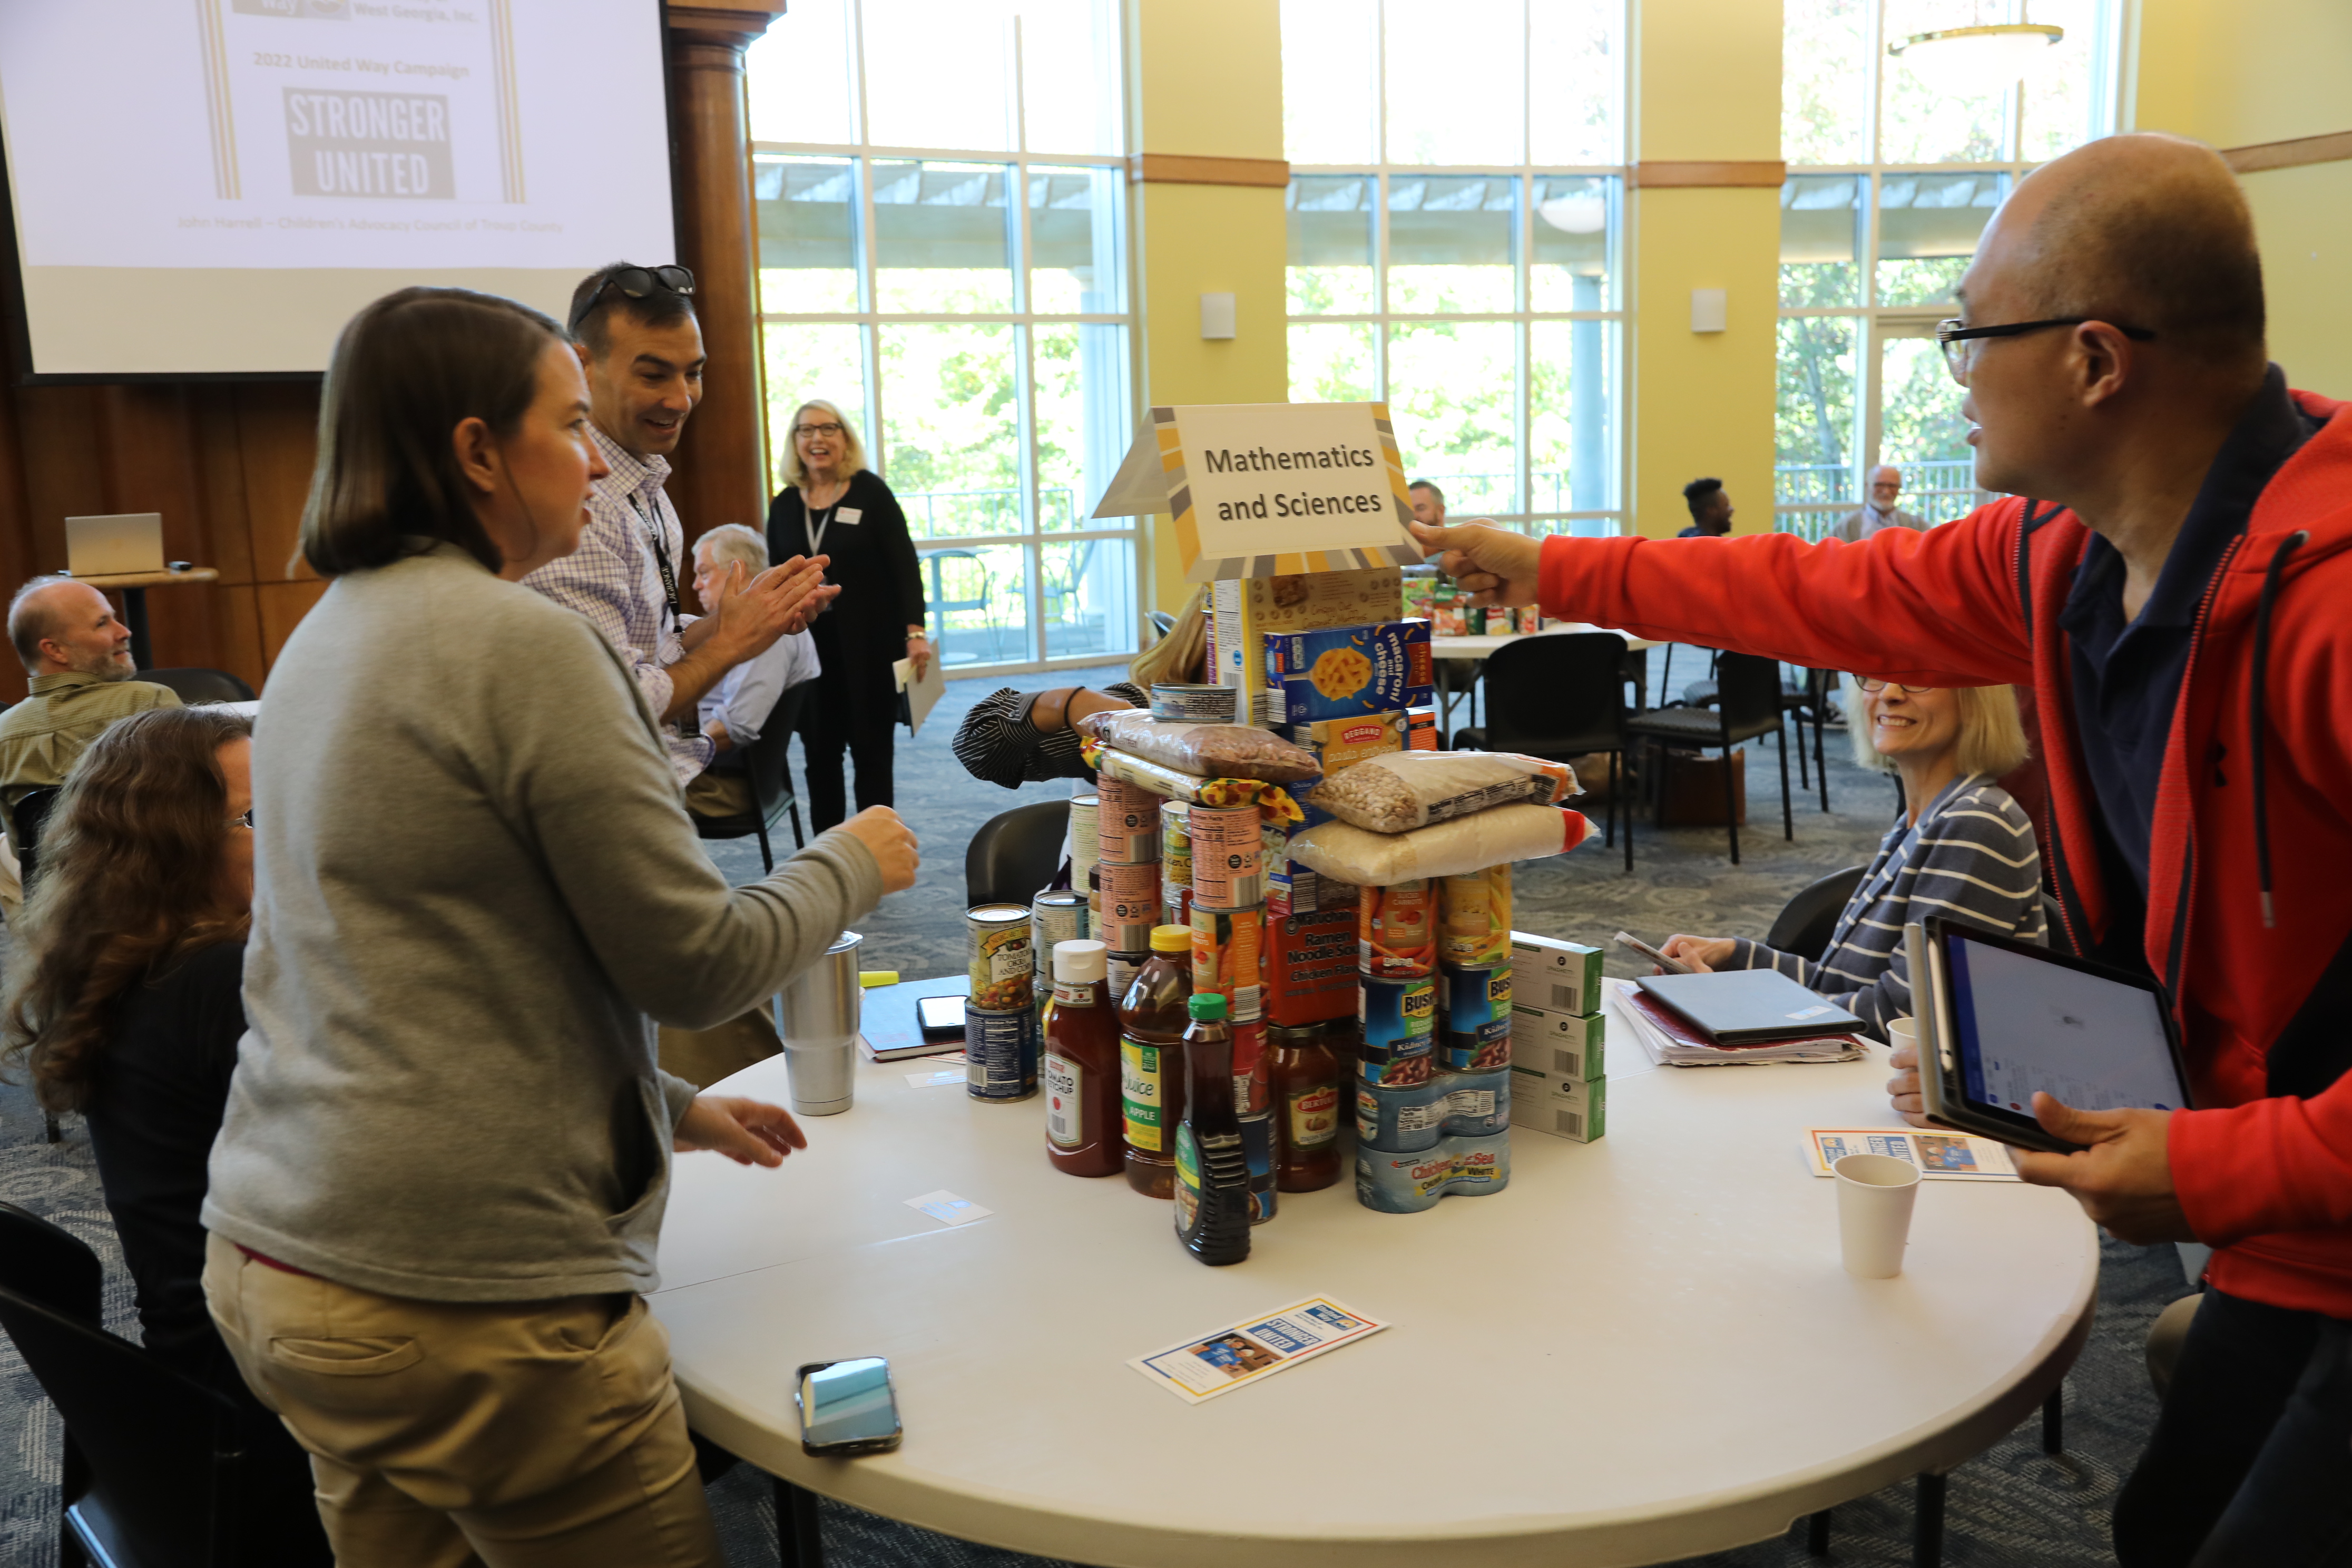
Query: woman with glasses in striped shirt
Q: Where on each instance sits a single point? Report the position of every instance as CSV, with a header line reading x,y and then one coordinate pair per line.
x,y
1960,848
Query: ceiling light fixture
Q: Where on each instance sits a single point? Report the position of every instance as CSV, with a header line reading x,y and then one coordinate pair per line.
x,y
1977,61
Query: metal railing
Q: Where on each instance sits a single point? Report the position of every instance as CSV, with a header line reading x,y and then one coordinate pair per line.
x,y
1810,498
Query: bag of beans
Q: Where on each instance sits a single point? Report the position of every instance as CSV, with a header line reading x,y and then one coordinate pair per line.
x,y
1405,790
1205,751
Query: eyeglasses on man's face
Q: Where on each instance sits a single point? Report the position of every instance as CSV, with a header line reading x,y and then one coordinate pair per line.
x,y
1873,685
1962,342
828,429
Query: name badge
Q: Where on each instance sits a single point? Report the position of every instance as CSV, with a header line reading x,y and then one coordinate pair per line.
x,y
848,514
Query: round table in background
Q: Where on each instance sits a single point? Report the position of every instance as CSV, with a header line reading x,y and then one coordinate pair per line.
x,y
1643,1349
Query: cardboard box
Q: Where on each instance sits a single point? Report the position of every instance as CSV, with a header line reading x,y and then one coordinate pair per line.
x,y
1558,976
1568,1044
1420,730
1338,744
1576,1108
1347,672
1242,612
1310,967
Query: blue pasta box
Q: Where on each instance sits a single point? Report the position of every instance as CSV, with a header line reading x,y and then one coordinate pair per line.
x,y
1346,672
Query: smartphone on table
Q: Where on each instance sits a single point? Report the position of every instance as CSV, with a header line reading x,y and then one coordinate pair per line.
x,y
1671,965
847,1408
940,1017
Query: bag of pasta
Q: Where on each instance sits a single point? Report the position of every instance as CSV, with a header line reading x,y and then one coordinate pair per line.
x,y
1405,790
1205,751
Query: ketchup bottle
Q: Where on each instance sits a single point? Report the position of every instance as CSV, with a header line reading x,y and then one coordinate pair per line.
x,y
1081,1067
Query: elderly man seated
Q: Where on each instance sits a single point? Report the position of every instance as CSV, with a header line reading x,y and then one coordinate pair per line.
x,y
734,713
78,656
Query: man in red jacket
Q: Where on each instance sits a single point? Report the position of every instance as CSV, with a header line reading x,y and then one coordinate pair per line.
x,y
2179,596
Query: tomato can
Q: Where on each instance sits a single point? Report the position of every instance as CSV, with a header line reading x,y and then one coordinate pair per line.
x,y
1394,934
1128,822
1226,855
1175,845
1474,917
1002,958
1226,947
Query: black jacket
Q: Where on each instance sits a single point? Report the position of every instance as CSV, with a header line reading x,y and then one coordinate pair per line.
x,y
873,563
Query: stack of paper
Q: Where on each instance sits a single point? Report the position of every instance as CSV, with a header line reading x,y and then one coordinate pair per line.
x,y
1670,1042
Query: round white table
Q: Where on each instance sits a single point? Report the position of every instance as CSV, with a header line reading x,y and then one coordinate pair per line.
x,y
1643,1349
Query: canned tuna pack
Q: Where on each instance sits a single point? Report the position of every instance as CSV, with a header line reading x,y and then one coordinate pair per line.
x,y
1128,826
1175,845
1397,1012
1002,961
1408,1183
1395,931
1225,857
1405,1120
1001,1053
1226,948
1473,918
1473,1017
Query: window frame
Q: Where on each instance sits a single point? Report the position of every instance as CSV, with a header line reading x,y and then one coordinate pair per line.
x,y
1032,539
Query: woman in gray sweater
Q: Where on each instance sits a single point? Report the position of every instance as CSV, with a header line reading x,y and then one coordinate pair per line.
x,y
436,1196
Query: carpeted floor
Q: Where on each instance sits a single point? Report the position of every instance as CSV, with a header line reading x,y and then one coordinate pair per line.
x,y
2011,1505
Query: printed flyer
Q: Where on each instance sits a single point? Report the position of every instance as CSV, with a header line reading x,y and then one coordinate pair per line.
x,y
1254,1349
1940,1156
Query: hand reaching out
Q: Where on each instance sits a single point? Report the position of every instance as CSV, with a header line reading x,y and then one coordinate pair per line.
x,y
880,829
1498,566
748,1132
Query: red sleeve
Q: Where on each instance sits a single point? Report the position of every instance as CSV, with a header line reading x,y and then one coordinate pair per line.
x,y
1939,608
2266,1167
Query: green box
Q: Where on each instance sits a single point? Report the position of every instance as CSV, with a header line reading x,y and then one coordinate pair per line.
x,y
1568,1044
1558,976
1570,1108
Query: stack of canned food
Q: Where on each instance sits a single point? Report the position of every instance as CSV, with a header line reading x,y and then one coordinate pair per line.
x,y
1224,856
1432,1095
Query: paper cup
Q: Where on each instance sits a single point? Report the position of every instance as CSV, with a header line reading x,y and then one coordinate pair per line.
x,y
1874,1194
1901,1032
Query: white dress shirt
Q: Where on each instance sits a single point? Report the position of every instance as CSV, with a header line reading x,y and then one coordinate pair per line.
x,y
748,694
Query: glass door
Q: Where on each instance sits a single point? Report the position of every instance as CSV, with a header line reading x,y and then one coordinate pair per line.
x,y
1912,419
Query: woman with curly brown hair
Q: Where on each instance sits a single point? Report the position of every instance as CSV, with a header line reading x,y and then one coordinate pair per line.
x,y
122,1001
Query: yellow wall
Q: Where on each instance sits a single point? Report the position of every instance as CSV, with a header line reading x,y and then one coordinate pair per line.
x,y
1207,84
1702,402
2250,71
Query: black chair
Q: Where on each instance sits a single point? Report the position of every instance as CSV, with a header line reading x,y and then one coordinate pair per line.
x,y
1808,700
1809,919
1015,853
199,685
1750,707
772,782
1557,697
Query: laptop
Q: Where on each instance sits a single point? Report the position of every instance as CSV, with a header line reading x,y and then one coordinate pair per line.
x,y
114,546
1999,1019
1748,1006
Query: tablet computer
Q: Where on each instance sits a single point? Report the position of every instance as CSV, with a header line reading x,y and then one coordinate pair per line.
x,y
1999,1019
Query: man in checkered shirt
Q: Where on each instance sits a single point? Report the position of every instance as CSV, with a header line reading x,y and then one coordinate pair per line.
x,y
642,350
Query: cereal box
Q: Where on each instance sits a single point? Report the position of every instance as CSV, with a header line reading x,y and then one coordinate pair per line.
x,y
1347,672
1243,612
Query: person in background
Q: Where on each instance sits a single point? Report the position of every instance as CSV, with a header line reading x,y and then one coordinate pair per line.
x,y
1960,848
735,712
639,343
1710,510
122,1001
1012,738
2170,571
1885,489
78,656
833,502
1428,502
438,1191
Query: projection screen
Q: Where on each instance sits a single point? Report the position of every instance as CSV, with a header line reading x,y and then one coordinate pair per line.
x,y
212,186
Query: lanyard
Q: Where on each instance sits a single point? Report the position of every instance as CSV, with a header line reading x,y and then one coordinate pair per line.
x,y
661,557
816,528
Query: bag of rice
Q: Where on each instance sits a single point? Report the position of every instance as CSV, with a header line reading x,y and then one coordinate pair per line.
x,y
1346,853
1205,751
1405,790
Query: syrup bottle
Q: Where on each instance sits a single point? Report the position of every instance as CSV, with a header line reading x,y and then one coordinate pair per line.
x,y
1081,1065
1213,1178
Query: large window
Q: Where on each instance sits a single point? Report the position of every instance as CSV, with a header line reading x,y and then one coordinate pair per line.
x,y
1452,241
942,229
1895,166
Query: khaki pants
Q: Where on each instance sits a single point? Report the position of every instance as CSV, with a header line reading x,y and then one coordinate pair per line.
x,y
445,1433
712,793
703,1056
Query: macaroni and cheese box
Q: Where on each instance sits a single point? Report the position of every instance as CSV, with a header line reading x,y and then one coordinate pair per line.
x,y
1347,672
1569,1045
1559,976
1570,1108
1243,612
1338,744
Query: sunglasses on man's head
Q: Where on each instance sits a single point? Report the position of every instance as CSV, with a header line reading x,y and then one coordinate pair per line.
x,y
636,283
